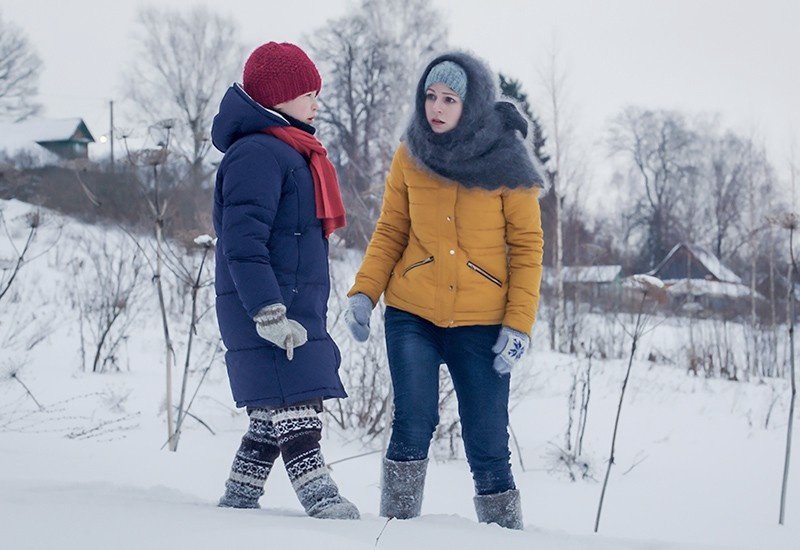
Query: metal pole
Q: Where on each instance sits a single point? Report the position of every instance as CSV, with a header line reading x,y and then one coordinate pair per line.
x,y
111,134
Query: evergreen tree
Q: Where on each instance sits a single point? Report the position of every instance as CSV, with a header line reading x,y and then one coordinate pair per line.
x,y
512,88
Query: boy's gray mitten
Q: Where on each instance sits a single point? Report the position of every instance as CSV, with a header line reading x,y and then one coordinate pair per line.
x,y
273,326
359,309
510,347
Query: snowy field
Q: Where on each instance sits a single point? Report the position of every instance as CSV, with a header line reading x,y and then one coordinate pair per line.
x,y
698,463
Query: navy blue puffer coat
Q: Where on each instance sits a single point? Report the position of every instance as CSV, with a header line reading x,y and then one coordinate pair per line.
x,y
270,249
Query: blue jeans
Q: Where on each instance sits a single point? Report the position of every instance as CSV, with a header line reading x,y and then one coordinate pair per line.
x,y
416,348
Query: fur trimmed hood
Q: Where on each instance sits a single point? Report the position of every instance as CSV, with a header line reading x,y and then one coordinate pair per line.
x,y
487,148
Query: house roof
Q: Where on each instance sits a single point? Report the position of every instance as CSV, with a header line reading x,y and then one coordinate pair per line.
x,y
29,134
702,287
575,274
709,261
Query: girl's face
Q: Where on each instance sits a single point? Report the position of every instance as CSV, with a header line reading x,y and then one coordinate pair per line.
x,y
303,107
442,107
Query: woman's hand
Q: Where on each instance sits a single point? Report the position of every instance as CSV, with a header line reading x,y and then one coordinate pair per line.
x,y
511,345
359,309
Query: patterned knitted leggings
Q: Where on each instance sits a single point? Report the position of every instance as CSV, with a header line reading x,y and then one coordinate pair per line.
x,y
294,433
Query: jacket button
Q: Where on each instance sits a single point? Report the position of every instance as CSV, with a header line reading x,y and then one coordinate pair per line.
x,y
452,287
449,219
452,251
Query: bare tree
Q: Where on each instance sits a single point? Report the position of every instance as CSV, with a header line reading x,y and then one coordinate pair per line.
x,y
19,73
563,174
185,61
728,157
658,145
369,61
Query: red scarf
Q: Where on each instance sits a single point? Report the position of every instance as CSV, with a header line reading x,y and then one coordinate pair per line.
x,y
330,208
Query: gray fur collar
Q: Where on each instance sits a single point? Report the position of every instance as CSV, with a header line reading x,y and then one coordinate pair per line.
x,y
484,150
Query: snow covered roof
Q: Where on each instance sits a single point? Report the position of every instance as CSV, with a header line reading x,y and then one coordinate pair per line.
x,y
709,261
586,274
703,287
714,265
642,282
16,137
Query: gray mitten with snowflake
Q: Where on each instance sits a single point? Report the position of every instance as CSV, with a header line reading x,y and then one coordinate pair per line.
x,y
510,347
273,326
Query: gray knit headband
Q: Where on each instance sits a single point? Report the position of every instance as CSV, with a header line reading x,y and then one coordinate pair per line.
x,y
451,74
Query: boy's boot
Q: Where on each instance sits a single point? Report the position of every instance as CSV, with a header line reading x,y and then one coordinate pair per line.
x,y
298,430
402,486
252,464
504,509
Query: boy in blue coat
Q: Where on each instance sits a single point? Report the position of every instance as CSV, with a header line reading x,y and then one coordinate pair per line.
x,y
276,202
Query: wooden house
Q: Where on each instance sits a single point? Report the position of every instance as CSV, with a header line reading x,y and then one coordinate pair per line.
x,y
591,285
693,275
46,141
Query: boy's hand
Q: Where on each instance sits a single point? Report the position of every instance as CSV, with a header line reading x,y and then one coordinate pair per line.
x,y
273,326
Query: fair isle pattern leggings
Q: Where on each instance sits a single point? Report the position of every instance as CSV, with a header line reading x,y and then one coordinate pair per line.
x,y
294,433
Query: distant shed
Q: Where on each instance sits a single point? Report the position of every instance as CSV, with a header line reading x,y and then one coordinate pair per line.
x,y
46,140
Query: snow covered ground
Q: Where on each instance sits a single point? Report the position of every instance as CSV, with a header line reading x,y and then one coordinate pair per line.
x,y
697,464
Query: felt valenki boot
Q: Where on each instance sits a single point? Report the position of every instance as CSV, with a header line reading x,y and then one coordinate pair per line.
x,y
504,509
402,487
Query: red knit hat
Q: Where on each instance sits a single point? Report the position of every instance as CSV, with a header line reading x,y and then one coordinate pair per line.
x,y
275,73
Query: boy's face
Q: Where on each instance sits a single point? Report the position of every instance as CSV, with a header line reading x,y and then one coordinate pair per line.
x,y
303,107
442,107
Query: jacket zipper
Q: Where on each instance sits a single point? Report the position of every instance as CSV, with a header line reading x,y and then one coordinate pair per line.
x,y
481,271
417,264
297,233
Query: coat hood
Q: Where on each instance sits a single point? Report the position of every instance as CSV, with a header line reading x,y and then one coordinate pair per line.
x,y
240,115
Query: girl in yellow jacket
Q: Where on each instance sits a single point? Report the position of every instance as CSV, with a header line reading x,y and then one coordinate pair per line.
x,y
457,254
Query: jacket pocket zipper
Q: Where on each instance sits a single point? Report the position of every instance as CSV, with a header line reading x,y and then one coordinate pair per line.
x,y
417,264
483,272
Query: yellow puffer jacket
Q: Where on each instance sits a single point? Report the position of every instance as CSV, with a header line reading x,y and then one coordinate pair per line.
x,y
453,255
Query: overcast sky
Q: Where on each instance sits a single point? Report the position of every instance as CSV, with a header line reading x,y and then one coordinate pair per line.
x,y
738,58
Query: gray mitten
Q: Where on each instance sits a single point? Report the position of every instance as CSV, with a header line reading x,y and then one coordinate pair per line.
x,y
273,326
359,309
510,347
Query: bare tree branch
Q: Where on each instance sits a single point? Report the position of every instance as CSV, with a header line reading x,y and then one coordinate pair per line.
x,y
186,60
19,73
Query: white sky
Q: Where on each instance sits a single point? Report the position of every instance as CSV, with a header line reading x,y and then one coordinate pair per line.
x,y
735,57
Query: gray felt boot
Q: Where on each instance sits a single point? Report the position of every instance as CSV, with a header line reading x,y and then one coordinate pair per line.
x,y
504,509
402,487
